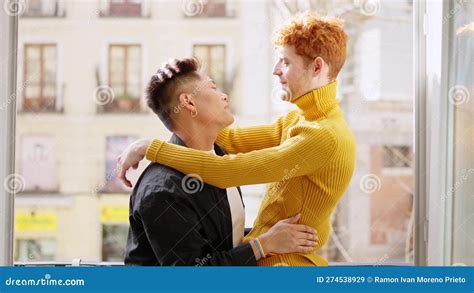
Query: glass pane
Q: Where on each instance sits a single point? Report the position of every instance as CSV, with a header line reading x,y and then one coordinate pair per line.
x,y
201,52
212,58
49,90
33,52
377,105
117,65
461,98
32,91
41,7
87,143
118,88
35,250
33,63
114,238
49,53
134,70
125,8
114,147
134,90
217,71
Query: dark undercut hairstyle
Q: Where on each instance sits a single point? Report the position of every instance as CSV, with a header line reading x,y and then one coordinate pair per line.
x,y
169,81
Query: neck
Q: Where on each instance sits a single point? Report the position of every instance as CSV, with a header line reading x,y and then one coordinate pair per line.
x,y
319,84
198,137
317,103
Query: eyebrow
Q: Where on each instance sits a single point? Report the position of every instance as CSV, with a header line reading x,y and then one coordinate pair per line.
x,y
212,81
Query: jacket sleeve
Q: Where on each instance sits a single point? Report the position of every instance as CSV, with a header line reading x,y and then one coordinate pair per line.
x,y
173,230
243,140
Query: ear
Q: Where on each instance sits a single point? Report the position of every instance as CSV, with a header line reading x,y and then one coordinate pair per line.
x,y
318,65
186,101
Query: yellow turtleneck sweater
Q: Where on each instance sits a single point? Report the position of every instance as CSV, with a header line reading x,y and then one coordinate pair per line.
x,y
308,158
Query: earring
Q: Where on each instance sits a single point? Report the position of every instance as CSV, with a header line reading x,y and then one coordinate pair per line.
x,y
194,113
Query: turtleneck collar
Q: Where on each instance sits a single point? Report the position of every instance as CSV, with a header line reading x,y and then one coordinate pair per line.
x,y
317,103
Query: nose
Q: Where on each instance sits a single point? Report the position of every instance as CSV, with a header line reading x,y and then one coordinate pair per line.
x,y
225,97
277,69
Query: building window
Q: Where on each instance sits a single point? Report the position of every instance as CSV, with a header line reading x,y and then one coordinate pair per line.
x,y
208,8
35,250
389,184
114,147
42,8
124,75
213,59
123,8
40,78
396,157
37,153
114,238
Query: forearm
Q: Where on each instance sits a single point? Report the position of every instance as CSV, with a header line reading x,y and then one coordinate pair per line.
x,y
243,140
247,139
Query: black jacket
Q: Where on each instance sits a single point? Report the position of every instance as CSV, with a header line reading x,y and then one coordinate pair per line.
x,y
177,220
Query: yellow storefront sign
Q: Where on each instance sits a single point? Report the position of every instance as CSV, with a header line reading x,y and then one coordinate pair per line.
x,y
114,214
36,222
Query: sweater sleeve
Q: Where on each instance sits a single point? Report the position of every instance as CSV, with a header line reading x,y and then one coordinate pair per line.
x,y
244,140
308,148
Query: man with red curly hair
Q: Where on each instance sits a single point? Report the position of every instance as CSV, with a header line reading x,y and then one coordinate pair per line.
x,y
307,156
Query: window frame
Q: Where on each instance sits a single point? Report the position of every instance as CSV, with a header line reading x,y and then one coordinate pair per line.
x,y
42,84
208,53
229,61
229,12
8,96
104,70
104,10
60,11
21,74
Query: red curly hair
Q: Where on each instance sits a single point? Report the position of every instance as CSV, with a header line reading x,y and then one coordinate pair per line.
x,y
313,36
